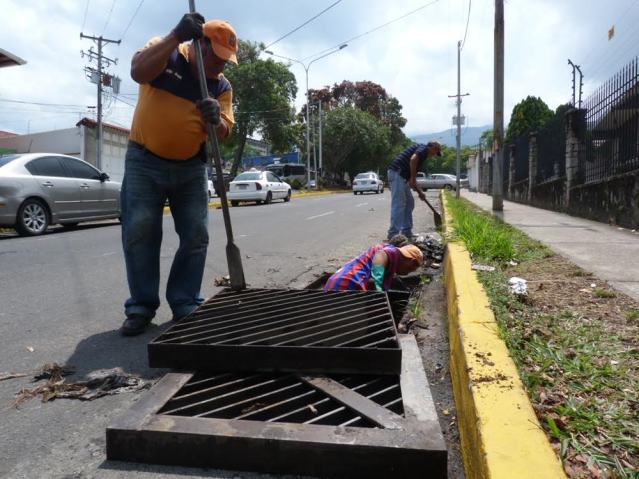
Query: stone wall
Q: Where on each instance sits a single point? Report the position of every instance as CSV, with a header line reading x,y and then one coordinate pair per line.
x,y
550,195
614,201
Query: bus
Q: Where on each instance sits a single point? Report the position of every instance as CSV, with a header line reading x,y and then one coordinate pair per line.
x,y
288,171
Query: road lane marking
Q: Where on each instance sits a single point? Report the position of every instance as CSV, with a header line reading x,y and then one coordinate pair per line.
x,y
319,216
110,254
361,204
242,236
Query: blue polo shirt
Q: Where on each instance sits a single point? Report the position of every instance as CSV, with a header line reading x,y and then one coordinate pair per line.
x,y
401,163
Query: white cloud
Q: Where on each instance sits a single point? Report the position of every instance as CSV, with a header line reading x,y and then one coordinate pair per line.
x,y
414,59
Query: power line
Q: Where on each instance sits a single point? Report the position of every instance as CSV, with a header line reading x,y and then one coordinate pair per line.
x,y
132,18
117,98
84,20
108,16
40,103
303,24
372,30
467,22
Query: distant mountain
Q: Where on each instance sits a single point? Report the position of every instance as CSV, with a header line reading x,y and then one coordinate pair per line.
x,y
470,136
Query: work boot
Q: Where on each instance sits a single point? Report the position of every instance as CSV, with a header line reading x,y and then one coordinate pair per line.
x,y
135,324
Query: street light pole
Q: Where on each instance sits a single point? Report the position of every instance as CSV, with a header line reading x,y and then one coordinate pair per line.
x,y
308,105
308,131
320,143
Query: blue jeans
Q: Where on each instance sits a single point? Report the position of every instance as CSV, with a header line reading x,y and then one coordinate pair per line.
x,y
402,205
148,182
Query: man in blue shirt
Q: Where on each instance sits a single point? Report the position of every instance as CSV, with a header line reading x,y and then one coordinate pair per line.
x,y
402,176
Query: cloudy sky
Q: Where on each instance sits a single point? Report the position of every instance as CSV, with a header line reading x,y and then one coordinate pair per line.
x,y
414,58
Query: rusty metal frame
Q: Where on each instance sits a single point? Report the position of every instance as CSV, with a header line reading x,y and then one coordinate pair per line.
x,y
181,346
408,447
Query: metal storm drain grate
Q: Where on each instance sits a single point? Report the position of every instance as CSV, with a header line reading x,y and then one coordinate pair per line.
x,y
355,426
284,330
285,398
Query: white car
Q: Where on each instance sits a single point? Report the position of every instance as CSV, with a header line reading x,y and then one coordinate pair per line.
x,y
368,181
258,186
211,189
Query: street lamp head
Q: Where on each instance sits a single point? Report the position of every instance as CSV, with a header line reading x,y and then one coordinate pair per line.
x,y
269,52
344,45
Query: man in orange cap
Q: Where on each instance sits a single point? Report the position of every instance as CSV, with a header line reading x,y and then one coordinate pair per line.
x,y
166,160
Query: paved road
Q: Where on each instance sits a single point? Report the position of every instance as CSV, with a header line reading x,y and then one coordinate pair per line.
x,y
62,295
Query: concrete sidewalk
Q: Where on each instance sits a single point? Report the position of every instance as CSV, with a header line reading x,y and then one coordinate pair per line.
x,y
609,252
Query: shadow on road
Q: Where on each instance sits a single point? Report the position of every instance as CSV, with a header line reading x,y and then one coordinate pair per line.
x,y
109,349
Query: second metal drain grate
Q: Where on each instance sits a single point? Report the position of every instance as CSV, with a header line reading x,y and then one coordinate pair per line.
x,y
284,330
282,398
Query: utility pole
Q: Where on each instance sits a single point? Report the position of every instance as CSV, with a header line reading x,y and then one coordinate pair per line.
x,y
498,117
98,74
314,148
320,144
458,119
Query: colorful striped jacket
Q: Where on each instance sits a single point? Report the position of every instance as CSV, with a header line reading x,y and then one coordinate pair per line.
x,y
355,274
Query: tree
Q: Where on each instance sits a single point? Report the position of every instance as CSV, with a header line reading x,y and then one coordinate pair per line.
x,y
366,96
486,139
528,115
263,92
355,141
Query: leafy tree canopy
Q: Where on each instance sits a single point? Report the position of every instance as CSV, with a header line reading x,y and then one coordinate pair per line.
x,y
366,96
355,141
528,115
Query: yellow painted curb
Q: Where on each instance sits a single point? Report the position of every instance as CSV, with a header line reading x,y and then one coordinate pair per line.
x,y
500,435
215,204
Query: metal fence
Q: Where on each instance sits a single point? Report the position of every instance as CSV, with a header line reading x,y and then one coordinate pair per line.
x,y
551,149
505,168
611,137
521,157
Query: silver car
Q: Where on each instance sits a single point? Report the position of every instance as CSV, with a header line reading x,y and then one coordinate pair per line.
x,y
436,181
41,189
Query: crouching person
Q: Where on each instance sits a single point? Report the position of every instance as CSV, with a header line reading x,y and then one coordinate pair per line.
x,y
380,264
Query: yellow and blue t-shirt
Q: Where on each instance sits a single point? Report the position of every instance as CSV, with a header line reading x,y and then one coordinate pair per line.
x,y
166,121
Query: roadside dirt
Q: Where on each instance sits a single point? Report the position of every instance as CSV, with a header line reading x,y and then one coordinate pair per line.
x,y
577,349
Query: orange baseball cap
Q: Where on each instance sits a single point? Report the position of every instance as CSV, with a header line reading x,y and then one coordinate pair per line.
x,y
223,39
412,252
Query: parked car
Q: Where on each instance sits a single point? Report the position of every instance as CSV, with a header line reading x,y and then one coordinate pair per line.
x,y
211,188
258,186
42,189
463,181
436,181
227,178
368,181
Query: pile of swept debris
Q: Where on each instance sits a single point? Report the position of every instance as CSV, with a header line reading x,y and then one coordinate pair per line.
x,y
102,382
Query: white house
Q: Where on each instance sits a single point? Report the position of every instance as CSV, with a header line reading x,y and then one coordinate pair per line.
x,y
473,171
